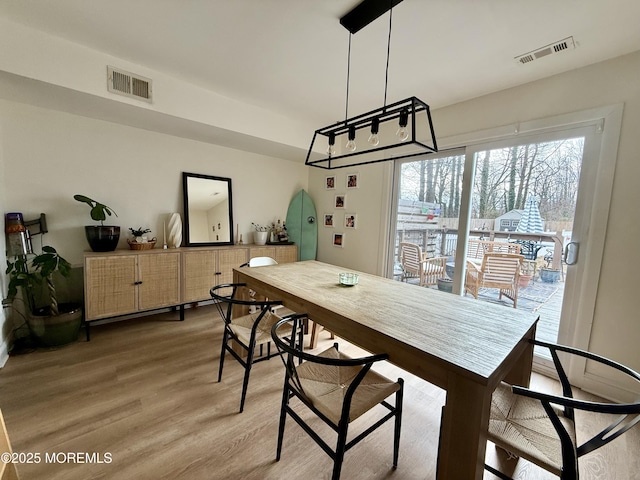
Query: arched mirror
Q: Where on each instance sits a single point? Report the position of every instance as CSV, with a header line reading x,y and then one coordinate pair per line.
x,y
208,214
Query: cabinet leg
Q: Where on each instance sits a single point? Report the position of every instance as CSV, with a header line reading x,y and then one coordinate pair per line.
x,y
87,330
182,313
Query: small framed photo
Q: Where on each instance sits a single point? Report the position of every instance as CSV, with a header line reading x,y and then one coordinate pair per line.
x,y
338,240
350,220
352,180
330,182
328,220
340,201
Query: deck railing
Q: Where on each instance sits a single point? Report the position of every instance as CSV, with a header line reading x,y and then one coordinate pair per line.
x,y
439,242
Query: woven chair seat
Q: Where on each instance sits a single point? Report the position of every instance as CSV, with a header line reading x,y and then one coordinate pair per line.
x,y
521,426
325,385
242,326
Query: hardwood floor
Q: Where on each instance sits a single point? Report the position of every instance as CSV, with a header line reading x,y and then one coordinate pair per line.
x,y
145,392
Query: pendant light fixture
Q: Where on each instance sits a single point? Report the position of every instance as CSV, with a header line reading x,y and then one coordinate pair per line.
x,y
399,130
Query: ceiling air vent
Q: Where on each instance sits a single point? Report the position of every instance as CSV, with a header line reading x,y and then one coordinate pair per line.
x,y
128,84
557,47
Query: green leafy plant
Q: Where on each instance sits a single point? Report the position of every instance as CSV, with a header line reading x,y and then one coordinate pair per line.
x,y
28,275
99,211
138,232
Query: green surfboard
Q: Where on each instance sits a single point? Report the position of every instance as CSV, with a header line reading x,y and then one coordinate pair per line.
x,y
302,225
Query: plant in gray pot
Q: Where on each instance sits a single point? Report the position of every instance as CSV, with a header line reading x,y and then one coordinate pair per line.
x,y
50,323
548,274
101,238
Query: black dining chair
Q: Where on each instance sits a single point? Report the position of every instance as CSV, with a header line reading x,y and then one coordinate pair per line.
x,y
247,333
337,388
540,427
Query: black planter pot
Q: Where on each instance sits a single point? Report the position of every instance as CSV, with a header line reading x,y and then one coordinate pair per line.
x,y
102,238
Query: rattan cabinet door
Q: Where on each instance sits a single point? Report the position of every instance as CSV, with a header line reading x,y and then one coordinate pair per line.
x,y
228,259
110,287
286,253
158,280
262,252
199,267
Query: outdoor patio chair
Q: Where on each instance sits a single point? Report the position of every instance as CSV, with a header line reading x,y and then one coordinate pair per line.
x,y
338,389
411,257
416,265
540,427
499,270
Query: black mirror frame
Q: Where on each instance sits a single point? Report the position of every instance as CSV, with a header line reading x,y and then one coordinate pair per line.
x,y
185,192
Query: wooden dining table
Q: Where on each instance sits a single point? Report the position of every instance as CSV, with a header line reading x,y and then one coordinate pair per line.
x,y
462,345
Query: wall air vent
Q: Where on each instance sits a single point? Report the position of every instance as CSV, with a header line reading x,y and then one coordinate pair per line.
x,y
128,84
557,47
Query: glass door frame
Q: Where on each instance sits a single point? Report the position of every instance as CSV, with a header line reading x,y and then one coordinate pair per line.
x,y
606,123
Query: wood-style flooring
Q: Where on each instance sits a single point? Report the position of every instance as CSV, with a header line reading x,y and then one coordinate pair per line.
x,y
145,391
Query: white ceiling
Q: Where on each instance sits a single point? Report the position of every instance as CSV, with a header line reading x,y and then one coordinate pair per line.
x,y
291,55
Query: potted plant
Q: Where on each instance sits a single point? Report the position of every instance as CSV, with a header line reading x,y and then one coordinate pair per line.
x,y
548,274
101,238
140,240
139,234
260,236
51,324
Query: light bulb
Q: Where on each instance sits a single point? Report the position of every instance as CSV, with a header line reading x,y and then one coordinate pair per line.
x,y
373,138
402,134
331,150
351,144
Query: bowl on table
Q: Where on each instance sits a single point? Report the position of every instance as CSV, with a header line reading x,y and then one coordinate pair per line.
x,y
348,279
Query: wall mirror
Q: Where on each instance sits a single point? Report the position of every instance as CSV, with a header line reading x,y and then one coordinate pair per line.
x,y
208,213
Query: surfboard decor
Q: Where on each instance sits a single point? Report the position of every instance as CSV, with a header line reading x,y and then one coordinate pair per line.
x,y
302,225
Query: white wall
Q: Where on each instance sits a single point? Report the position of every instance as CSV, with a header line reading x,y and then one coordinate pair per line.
x,y
364,246
49,156
616,330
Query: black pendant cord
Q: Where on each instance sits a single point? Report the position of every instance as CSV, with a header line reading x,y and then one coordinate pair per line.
x,y
346,107
386,73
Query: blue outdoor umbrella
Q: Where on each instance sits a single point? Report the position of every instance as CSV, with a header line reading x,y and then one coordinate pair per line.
x,y
531,220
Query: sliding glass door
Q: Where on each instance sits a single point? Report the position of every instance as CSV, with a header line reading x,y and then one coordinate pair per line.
x,y
526,194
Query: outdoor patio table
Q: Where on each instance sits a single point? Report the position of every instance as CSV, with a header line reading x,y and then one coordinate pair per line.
x,y
462,346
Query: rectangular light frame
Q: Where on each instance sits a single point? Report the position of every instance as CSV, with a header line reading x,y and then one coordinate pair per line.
x,y
421,139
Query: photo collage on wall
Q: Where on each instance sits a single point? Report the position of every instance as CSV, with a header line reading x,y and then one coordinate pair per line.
x,y
337,219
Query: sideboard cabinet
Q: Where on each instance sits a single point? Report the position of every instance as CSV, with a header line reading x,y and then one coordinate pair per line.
x,y
130,281
204,268
118,284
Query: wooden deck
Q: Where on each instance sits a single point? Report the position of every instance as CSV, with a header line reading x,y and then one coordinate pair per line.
x,y
549,312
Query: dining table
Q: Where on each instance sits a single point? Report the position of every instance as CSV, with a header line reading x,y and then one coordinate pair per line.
x,y
462,345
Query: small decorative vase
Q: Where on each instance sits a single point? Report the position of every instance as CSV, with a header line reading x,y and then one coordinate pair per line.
x,y
260,238
175,230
